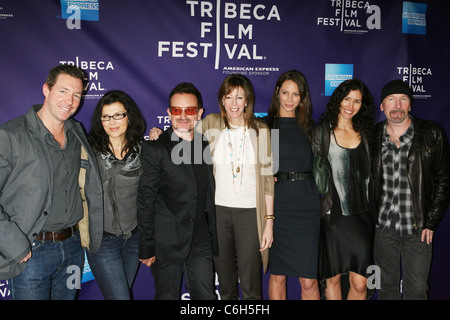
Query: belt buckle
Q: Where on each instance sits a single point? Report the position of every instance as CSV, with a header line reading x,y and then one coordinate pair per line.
x,y
291,176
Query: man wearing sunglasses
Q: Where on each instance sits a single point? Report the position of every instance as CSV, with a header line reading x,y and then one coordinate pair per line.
x,y
184,118
176,212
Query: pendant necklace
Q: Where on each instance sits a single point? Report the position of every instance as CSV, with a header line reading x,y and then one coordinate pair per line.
x,y
238,154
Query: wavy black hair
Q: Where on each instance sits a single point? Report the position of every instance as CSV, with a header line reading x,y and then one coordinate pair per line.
x,y
99,139
363,121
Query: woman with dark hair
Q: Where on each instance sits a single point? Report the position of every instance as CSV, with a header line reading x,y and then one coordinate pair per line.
x,y
116,136
295,248
342,141
241,153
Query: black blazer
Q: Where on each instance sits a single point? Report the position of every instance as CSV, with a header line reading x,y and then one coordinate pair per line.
x,y
167,199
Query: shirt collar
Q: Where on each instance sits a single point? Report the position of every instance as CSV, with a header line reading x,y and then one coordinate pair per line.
x,y
43,132
405,138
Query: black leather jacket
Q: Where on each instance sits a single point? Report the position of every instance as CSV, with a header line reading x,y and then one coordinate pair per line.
x,y
320,145
428,170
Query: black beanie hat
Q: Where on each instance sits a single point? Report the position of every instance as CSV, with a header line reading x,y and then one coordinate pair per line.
x,y
396,86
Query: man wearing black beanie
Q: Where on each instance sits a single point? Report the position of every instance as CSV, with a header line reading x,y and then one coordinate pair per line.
x,y
411,192
396,87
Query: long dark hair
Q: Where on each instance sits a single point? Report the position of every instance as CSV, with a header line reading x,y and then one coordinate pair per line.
x,y
363,121
99,139
303,112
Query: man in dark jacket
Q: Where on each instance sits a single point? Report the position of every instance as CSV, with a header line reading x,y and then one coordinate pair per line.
x,y
45,160
176,211
411,191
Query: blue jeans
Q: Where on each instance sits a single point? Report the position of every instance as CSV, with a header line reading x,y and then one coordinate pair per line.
x,y
404,258
46,275
115,265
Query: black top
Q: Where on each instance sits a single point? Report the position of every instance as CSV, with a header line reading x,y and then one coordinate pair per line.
x,y
201,176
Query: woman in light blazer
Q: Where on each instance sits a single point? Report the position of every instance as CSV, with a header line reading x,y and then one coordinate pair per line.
x,y
241,152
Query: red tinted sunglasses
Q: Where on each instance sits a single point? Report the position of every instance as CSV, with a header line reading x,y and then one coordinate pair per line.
x,y
190,111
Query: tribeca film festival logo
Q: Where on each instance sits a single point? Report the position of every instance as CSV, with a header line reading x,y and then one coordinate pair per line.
x,y
75,11
352,16
415,76
218,30
92,68
414,18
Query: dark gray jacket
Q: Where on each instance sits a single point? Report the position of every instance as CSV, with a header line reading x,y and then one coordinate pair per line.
x,y
26,184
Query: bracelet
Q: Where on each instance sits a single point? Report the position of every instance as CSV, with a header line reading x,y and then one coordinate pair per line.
x,y
271,216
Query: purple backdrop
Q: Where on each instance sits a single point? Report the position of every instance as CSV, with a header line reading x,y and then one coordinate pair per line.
x,y
146,47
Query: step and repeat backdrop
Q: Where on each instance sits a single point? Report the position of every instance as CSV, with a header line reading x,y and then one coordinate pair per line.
x,y
145,48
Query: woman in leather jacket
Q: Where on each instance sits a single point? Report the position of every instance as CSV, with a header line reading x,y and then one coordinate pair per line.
x,y
341,140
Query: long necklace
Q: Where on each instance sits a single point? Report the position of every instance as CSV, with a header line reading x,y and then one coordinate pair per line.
x,y
237,171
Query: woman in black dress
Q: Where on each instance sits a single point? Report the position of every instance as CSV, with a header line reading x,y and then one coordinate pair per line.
x,y
294,251
341,139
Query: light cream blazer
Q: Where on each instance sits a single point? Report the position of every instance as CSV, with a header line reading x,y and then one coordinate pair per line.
x,y
211,126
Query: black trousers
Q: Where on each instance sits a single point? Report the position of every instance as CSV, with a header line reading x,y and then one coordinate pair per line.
x,y
239,258
198,271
